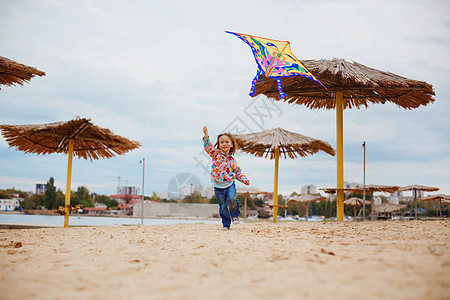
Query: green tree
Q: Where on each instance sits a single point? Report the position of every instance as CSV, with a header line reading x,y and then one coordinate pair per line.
x,y
154,197
83,197
106,200
50,194
326,208
281,201
251,203
4,195
213,200
195,197
33,201
21,194
60,198
259,202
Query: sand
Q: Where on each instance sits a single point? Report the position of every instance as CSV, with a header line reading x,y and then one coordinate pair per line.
x,y
263,260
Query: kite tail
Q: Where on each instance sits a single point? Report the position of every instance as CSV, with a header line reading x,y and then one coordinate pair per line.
x,y
280,88
258,73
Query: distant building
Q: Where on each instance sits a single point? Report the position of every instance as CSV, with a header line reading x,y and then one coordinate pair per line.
x,y
308,189
207,191
127,190
9,204
40,188
377,200
186,190
100,205
420,194
167,196
395,197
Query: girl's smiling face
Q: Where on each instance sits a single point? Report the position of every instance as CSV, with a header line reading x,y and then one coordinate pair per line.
x,y
225,144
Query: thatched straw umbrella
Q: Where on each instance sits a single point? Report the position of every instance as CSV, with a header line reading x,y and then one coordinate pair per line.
x,y
439,197
349,85
246,192
76,137
306,199
276,141
414,188
370,189
354,201
387,207
12,72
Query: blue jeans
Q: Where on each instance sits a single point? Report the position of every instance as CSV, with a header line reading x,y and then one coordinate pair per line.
x,y
225,196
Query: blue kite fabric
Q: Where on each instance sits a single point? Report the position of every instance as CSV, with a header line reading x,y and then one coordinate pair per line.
x,y
275,60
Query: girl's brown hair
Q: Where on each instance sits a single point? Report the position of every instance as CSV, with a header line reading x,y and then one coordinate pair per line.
x,y
233,142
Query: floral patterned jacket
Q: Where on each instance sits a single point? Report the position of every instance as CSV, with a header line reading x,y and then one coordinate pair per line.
x,y
224,168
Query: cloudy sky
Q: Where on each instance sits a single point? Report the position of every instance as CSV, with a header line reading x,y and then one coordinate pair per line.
x,y
158,71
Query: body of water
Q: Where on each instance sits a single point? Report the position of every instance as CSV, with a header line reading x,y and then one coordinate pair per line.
x,y
43,220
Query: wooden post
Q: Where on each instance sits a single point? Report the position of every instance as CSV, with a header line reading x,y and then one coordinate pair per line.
x,y
415,204
364,183
275,186
340,156
245,206
307,204
68,182
371,207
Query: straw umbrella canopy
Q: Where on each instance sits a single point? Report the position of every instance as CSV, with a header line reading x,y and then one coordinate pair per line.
x,y
354,201
306,199
439,197
370,189
77,137
349,85
246,192
414,188
12,72
388,207
278,141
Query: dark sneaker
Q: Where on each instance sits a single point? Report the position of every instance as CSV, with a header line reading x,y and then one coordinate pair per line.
x,y
235,220
225,228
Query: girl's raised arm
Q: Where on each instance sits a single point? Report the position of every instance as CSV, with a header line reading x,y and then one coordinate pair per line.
x,y
207,143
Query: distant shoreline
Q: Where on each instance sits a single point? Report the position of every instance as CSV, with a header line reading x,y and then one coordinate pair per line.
x,y
48,213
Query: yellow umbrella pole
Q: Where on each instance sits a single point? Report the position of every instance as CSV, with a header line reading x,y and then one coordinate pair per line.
x,y
69,179
340,156
275,186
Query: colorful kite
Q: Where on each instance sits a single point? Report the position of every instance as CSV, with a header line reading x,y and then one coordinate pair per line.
x,y
275,60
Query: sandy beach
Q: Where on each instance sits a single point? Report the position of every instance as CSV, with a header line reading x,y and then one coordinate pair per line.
x,y
262,260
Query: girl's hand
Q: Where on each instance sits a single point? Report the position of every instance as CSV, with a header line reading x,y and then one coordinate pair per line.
x,y
247,182
205,131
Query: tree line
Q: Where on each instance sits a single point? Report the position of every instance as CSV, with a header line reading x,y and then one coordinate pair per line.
x,y
53,198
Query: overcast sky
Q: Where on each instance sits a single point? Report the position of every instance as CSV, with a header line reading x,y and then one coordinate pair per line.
x,y
158,71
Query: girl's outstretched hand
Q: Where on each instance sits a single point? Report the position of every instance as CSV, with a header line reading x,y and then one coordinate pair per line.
x,y
247,182
205,131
